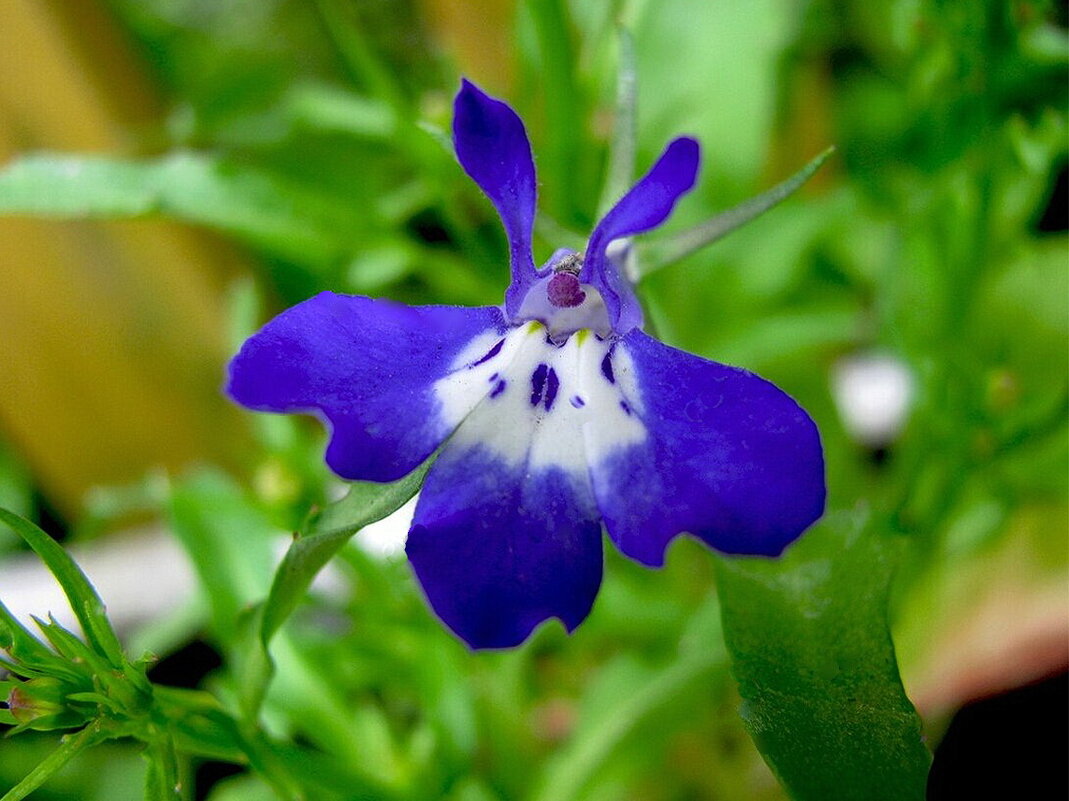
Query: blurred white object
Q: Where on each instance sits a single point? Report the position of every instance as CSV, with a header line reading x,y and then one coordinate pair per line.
x,y
121,568
141,576
874,393
387,537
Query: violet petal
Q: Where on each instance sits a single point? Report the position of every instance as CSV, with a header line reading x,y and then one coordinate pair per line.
x,y
492,147
498,550
645,206
367,366
729,458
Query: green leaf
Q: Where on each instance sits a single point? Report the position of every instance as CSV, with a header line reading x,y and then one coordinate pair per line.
x,y
636,696
265,209
69,647
30,654
326,533
359,54
655,255
251,662
811,650
328,109
85,602
229,540
560,154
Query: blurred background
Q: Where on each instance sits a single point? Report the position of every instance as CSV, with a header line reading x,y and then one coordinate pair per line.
x,y
177,171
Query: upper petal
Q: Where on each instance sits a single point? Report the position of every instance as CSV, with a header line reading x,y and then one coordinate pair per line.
x,y
492,147
368,366
729,457
646,205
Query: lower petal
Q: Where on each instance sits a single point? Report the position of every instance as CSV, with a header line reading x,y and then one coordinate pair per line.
x,y
729,457
498,549
369,367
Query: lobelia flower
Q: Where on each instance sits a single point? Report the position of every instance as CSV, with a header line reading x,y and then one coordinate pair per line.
x,y
558,413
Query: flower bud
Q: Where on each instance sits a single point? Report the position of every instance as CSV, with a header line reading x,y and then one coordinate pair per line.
x,y
41,704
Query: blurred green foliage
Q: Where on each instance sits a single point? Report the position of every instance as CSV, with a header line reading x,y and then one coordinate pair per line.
x,y
311,132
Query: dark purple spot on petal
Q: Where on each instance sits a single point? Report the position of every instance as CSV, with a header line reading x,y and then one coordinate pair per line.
x,y
606,368
626,407
496,349
538,383
564,292
498,388
578,402
552,385
493,378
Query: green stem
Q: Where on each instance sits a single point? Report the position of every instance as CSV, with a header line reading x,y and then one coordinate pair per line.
x,y
162,779
70,746
359,56
621,167
661,254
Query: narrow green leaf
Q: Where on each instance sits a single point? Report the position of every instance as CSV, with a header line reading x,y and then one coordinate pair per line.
x,y
326,533
229,541
85,602
70,746
71,648
329,109
197,723
657,254
199,727
364,64
255,205
76,186
563,143
24,648
576,765
620,171
95,698
811,650
252,662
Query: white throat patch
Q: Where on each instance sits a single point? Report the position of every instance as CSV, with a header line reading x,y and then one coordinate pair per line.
x,y
526,400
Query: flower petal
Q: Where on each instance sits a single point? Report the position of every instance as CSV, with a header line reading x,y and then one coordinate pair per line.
x,y
499,549
492,147
369,367
729,457
645,206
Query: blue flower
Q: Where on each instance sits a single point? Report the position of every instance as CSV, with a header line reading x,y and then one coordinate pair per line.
x,y
558,413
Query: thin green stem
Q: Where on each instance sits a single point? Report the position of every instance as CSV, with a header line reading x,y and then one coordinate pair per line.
x,y
162,779
363,64
671,250
621,167
69,747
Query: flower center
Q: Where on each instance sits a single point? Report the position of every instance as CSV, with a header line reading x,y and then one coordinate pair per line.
x,y
564,292
562,303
